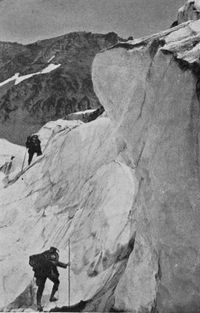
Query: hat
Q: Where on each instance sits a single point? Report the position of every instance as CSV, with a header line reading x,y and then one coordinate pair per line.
x,y
53,249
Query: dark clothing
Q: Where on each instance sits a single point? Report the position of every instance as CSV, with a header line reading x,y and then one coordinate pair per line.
x,y
33,146
174,24
31,153
41,280
45,266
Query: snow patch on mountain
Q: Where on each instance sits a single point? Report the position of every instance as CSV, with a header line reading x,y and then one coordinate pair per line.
x,y
51,67
14,77
18,79
53,56
48,69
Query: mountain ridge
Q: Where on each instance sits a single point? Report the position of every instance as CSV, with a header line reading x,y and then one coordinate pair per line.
x,y
25,107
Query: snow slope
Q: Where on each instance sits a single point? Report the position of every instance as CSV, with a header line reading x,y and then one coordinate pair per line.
x,y
82,190
7,150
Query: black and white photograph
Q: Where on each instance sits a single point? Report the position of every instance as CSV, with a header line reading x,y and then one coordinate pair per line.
x,y
100,156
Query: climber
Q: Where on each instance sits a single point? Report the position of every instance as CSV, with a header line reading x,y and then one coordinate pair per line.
x,y
7,166
45,266
33,146
174,24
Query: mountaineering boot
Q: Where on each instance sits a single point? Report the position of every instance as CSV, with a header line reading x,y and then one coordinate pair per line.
x,y
52,298
39,308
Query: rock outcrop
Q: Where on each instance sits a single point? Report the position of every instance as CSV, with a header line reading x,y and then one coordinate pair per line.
x,y
86,116
150,89
39,98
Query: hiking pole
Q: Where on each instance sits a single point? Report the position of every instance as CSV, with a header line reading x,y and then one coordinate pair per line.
x,y
69,273
23,161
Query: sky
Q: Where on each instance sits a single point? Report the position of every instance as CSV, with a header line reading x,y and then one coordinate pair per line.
x,y
26,21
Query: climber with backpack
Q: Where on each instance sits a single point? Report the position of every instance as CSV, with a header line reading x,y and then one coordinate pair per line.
x,y
44,266
33,146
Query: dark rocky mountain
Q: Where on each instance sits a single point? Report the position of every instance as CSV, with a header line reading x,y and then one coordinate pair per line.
x,y
26,106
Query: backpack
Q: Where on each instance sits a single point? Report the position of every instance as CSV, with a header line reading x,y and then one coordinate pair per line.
x,y
28,142
33,141
37,261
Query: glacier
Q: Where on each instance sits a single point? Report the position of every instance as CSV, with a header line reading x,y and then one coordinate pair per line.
x,y
79,189
122,190
150,90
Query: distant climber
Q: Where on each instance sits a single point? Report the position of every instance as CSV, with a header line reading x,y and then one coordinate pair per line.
x,y
174,24
7,166
45,266
33,146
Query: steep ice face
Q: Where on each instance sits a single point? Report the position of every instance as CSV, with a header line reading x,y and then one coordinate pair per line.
x,y
20,153
79,189
150,90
